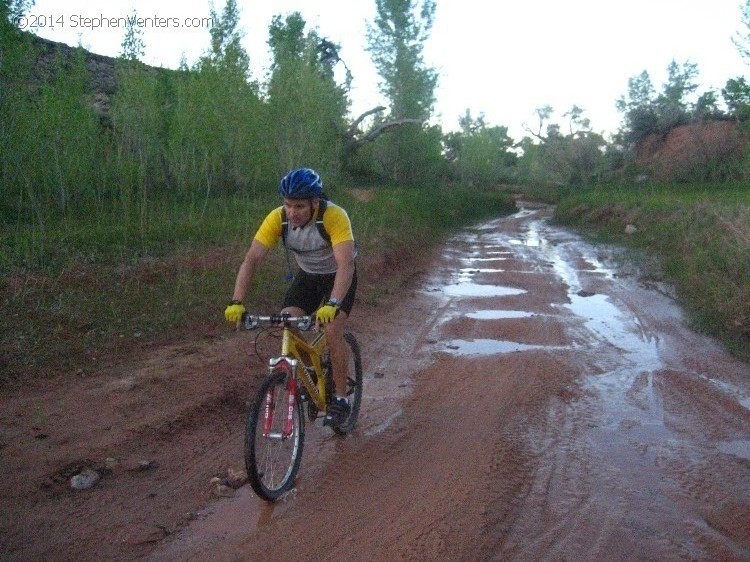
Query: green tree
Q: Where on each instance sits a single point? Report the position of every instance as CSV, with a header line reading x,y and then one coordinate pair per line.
x,y
132,47
707,106
742,39
226,40
11,10
54,136
558,158
543,116
576,121
736,94
639,109
646,113
219,138
141,121
481,154
673,105
307,107
395,42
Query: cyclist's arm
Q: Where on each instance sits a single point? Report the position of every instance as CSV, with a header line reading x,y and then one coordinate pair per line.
x,y
255,255
265,239
343,252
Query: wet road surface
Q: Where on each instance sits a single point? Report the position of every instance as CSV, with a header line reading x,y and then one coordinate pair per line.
x,y
531,400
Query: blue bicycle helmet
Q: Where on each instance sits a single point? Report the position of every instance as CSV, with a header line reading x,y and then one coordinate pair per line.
x,y
301,183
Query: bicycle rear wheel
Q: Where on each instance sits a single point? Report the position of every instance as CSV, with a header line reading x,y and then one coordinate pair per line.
x,y
353,385
273,455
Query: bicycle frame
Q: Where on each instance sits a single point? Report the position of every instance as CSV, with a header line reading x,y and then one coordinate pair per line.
x,y
294,346
292,364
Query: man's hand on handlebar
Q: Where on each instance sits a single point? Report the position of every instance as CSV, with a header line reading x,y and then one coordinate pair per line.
x,y
234,311
328,312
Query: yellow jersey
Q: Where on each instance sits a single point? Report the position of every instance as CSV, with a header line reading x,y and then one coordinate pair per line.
x,y
313,252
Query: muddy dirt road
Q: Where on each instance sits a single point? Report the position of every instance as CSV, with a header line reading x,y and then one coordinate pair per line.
x,y
529,400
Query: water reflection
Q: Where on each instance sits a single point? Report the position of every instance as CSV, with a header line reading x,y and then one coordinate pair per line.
x,y
473,270
499,314
488,347
478,290
605,320
470,260
739,448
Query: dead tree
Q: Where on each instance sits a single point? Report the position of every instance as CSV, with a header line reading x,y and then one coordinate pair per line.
x,y
354,137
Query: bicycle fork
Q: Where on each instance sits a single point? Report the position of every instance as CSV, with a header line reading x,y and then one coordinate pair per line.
x,y
291,392
285,366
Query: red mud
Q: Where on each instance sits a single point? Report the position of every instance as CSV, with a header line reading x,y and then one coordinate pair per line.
x,y
525,402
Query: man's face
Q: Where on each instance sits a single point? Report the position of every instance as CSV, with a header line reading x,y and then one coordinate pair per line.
x,y
299,211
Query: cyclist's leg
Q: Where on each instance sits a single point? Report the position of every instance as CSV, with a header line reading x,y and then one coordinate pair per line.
x,y
337,344
300,298
339,351
293,311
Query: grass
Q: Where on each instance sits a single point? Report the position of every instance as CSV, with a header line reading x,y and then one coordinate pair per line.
x,y
701,237
85,292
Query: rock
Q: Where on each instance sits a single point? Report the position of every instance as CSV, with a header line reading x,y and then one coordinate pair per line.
x,y
142,466
236,478
85,480
630,229
224,491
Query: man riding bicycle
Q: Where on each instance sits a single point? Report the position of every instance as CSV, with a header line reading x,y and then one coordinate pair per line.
x,y
319,234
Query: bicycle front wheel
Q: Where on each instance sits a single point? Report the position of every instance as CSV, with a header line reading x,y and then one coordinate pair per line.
x,y
273,439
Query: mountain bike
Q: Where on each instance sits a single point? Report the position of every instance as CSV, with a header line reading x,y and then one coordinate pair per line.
x,y
299,382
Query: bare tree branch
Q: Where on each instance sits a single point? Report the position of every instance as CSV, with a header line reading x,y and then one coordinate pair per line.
x,y
352,130
353,137
383,127
536,134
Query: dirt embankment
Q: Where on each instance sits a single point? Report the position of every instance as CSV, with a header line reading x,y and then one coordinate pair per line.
x,y
687,148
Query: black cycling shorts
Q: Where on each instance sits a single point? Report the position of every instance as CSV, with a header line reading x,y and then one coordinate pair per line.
x,y
309,291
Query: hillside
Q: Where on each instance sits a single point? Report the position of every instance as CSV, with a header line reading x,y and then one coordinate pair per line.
x,y
708,145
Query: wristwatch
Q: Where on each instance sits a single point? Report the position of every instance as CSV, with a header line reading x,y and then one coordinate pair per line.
x,y
334,301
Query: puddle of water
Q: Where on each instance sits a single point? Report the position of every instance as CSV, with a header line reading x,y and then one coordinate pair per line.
x,y
743,401
472,260
465,274
477,290
486,347
605,320
566,273
531,242
472,270
499,314
534,238
739,448
524,212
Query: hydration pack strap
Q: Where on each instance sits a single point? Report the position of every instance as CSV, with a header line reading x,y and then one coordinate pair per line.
x,y
285,229
318,223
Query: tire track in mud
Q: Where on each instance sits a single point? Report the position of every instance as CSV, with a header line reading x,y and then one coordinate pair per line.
x,y
582,500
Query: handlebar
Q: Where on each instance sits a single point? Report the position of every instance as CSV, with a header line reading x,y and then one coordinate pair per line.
x,y
303,323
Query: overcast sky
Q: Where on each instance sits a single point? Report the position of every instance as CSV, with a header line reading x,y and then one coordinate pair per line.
x,y
501,58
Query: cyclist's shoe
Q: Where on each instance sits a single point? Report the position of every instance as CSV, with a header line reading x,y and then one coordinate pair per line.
x,y
338,412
